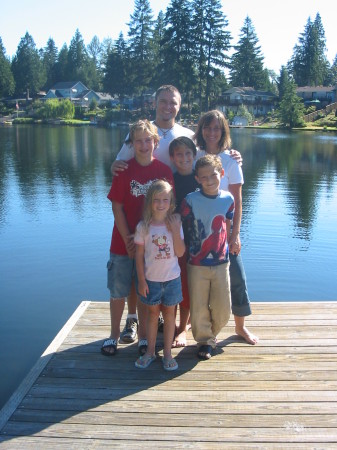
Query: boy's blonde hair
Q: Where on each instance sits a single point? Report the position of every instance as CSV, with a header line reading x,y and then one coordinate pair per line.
x,y
204,121
157,187
145,126
209,160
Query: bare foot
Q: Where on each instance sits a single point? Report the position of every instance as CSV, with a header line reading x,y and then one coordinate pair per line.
x,y
180,340
247,335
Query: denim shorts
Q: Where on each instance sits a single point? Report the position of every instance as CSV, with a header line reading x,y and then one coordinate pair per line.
x,y
121,272
167,293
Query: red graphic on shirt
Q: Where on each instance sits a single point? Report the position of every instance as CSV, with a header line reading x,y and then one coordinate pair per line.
x,y
214,244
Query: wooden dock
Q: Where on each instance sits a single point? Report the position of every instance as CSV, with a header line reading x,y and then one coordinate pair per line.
x,y
281,393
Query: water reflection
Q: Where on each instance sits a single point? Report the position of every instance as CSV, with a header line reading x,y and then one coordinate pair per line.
x,y
303,164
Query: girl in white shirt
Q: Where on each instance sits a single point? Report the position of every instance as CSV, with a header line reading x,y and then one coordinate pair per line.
x,y
159,242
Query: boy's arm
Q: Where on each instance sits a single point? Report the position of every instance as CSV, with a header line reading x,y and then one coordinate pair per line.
x,y
234,241
123,228
143,288
174,225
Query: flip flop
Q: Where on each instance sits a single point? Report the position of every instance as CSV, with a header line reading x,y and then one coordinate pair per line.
x,y
108,345
144,361
170,364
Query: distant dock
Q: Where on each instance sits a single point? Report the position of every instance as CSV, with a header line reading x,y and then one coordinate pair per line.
x,y
279,394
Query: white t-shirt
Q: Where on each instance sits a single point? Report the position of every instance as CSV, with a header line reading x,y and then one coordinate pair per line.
x,y
233,172
161,263
162,151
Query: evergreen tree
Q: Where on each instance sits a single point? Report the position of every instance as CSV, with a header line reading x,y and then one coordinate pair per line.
x,y
308,64
118,70
61,65
27,67
333,73
283,82
49,59
157,49
95,50
140,47
177,63
7,84
80,66
247,60
291,108
211,42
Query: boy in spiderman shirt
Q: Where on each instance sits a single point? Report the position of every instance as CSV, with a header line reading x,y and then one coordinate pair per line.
x,y
206,215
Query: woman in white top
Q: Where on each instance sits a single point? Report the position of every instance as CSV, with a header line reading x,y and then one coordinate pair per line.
x,y
213,136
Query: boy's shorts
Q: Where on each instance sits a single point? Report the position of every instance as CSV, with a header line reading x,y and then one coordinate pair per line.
x,y
167,293
121,272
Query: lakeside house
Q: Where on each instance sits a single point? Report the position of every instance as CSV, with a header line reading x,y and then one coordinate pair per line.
x,y
78,93
258,103
319,96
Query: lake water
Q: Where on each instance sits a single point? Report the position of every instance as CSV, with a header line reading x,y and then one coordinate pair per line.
x,y
56,222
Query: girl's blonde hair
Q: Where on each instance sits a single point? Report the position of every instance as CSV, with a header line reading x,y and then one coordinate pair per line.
x,y
204,121
143,125
157,187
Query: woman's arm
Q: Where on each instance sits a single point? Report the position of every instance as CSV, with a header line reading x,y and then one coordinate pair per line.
x,y
234,238
123,228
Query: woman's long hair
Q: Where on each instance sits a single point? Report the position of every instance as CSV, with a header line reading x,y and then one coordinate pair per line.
x,y
204,121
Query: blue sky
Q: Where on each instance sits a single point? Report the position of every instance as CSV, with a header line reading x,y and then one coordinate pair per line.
x,y
277,24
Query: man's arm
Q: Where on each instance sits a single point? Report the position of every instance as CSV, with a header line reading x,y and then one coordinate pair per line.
x,y
125,153
236,155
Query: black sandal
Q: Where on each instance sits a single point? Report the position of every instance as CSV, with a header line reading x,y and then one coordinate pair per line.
x,y
109,344
205,352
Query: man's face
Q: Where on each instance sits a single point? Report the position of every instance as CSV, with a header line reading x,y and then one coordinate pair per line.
x,y
168,105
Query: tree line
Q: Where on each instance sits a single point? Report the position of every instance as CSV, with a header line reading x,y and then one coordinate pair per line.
x,y
189,46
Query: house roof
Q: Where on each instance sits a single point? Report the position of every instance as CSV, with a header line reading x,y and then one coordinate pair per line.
x,y
316,89
248,92
66,85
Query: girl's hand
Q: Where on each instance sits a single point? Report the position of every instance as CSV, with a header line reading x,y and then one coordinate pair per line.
x,y
234,244
236,155
173,223
118,166
130,246
143,288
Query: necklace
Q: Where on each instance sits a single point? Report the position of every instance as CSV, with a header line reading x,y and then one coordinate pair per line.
x,y
164,132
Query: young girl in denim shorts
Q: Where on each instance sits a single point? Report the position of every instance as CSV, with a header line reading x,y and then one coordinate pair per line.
x,y
159,242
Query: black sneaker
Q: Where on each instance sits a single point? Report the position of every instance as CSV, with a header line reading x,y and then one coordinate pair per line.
x,y
129,333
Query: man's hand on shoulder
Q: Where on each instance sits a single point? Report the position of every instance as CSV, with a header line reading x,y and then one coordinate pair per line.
x,y
118,166
236,156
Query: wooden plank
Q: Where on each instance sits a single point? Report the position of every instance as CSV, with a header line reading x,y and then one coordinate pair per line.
x,y
280,393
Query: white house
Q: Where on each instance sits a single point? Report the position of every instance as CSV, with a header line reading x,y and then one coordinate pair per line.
x,y
78,93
